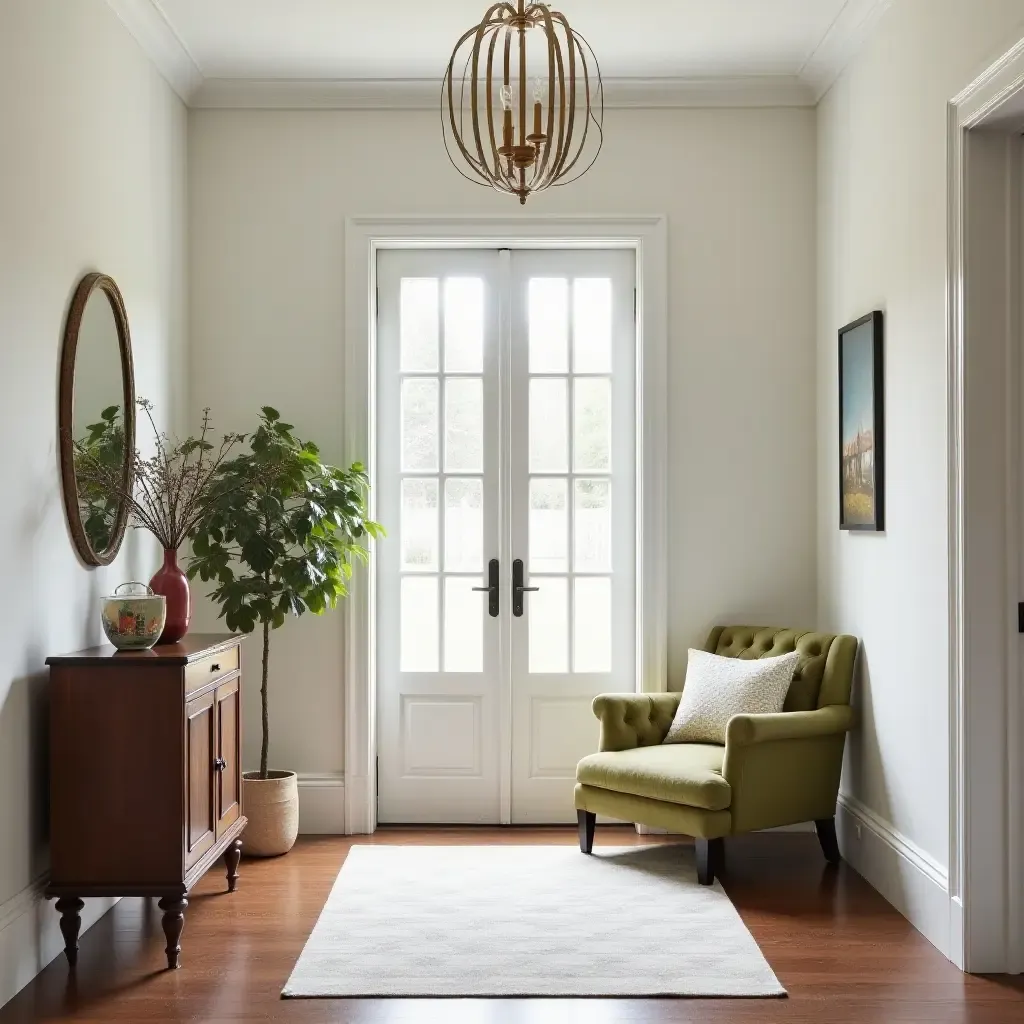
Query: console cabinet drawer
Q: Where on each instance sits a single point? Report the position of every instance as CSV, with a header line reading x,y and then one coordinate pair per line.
x,y
206,670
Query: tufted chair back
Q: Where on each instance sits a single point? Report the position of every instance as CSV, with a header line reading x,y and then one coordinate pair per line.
x,y
824,674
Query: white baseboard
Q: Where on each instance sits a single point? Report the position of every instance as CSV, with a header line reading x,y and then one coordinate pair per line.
x,y
913,881
30,935
322,804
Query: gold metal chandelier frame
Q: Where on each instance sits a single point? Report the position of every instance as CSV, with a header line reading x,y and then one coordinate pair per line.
x,y
510,157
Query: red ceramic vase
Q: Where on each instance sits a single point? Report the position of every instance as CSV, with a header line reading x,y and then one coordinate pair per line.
x,y
173,584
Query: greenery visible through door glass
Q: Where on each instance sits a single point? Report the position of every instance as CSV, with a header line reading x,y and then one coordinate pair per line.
x,y
549,524
419,525
592,526
592,424
420,404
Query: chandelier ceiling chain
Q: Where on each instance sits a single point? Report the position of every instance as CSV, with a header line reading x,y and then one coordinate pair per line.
x,y
485,112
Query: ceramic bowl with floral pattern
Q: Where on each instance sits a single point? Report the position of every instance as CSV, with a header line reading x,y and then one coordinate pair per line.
x,y
133,617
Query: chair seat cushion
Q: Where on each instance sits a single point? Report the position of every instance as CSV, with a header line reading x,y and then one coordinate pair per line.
x,y
678,773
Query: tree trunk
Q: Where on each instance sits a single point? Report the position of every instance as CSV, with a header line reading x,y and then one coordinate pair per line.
x,y
263,699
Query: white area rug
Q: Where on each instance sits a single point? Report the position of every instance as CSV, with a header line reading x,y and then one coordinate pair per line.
x,y
528,921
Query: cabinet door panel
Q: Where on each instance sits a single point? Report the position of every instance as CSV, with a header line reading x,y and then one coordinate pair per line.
x,y
229,735
201,743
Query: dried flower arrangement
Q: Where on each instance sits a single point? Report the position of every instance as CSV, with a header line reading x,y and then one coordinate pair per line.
x,y
169,493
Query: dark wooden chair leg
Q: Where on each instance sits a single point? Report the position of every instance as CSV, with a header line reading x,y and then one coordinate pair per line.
x,y
586,822
232,855
174,908
826,828
710,856
70,910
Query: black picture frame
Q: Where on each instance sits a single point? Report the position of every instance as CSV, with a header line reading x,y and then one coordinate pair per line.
x,y
862,425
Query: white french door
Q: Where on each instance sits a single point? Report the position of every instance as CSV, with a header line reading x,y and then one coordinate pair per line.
x,y
506,477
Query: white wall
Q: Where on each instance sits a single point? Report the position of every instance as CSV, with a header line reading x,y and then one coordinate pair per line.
x,y
269,192
93,178
882,244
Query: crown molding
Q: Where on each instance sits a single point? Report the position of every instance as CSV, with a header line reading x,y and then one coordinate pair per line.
x,y
146,21
845,36
425,94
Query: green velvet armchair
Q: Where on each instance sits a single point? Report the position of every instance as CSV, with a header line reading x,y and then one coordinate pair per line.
x,y
773,770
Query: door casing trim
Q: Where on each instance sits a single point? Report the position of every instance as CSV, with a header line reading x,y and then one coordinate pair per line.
x,y
647,236
986,518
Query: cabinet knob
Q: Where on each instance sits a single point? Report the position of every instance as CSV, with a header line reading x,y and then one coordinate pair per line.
x,y
215,667
220,764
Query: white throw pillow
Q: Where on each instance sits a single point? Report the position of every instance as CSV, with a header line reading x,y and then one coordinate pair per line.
x,y
717,688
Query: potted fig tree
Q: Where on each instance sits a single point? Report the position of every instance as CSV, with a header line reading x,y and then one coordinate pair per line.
x,y
279,540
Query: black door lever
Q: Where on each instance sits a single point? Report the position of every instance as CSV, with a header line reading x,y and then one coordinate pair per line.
x,y
491,589
517,587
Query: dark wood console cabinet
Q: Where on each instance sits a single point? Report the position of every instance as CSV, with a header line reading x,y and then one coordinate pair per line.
x,y
145,775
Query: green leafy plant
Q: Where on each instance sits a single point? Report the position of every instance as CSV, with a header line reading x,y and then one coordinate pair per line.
x,y
281,537
101,446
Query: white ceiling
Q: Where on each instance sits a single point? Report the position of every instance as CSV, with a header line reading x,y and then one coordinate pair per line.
x,y
794,47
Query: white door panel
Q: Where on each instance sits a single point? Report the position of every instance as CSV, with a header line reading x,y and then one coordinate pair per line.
x,y
573,499
438,657
506,430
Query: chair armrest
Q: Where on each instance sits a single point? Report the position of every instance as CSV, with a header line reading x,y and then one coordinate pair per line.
x,y
784,768
745,730
631,720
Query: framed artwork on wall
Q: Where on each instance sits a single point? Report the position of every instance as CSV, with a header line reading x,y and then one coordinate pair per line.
x,y
861,425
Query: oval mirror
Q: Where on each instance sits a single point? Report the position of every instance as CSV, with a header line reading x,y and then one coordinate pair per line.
x,y
96,418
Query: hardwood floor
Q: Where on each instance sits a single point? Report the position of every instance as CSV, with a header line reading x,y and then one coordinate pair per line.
x,y
840,950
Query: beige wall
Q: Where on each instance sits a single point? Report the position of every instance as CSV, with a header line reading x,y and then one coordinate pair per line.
x,y
269,193
882,244
93,170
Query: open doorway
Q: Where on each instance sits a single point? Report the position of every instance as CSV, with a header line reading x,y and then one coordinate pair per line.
x,y
986,528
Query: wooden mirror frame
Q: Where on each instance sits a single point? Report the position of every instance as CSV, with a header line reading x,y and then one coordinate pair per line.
x,y
66,407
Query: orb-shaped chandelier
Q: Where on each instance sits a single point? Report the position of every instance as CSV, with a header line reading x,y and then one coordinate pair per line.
x,y
522,103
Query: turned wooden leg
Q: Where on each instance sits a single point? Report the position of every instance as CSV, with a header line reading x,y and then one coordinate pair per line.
x,y
70,910
826,829
174,908
232,855
710,855
586,822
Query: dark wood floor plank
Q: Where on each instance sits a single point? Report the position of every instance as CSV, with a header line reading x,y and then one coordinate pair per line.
x,y
842,952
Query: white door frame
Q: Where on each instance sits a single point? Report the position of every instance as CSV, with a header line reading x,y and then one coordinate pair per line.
x,y
364,237
986,524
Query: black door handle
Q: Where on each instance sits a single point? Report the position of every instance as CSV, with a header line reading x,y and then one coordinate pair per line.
x,y
518,589
491,589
